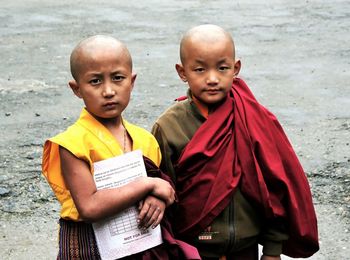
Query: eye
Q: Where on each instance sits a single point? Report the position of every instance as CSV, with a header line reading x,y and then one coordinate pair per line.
x,y
223,68
118,78
95,81
199,69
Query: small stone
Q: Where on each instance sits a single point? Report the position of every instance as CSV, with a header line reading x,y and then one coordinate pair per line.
x,y
4,192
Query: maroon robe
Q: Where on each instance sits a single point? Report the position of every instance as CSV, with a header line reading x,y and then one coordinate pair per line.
x,y
242,144
171,249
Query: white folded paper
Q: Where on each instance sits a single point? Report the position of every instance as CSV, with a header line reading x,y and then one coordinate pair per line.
x,y
119,236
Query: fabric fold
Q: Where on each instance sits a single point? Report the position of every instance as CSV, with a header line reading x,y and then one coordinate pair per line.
x,y
242,144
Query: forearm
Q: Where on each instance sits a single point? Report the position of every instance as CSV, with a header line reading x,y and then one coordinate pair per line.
x,y
93,204
104,203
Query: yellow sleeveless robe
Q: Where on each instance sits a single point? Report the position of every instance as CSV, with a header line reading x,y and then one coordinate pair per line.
x,y
90,141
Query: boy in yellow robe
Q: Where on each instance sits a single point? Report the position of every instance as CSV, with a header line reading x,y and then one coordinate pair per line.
x,y
101,67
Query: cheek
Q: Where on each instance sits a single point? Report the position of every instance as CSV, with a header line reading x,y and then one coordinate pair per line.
x,y
125,96
195,83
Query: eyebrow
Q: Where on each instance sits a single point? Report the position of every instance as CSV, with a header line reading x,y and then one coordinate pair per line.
x,y
223,60
199,61
96,73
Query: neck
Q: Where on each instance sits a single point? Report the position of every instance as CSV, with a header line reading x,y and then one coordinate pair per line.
x,y
109,123
118,130
203,108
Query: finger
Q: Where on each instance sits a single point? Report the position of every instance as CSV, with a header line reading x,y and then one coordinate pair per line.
x,y
159,219
140,205
154,217
150,218
143,213
170,200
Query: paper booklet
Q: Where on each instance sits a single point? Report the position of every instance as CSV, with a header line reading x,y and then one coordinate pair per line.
x,y
119,236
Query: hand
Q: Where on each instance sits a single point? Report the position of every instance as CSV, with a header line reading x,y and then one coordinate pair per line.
x,y
151,212
163,190
268,257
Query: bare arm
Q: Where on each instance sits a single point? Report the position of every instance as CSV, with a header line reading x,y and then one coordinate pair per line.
x,y
93,204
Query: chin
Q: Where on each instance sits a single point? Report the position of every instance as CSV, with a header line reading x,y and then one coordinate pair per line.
x,y
106,115
212,101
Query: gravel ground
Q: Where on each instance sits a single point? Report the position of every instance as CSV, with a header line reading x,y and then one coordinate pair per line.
x,y
295,57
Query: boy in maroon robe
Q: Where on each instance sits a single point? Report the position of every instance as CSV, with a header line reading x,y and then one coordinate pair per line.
x,y
238,180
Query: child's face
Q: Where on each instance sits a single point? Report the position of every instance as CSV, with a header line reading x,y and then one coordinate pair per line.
x,y
209,69
105,81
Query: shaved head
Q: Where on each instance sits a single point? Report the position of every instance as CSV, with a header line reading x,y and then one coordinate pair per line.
x,y
87,48
207,34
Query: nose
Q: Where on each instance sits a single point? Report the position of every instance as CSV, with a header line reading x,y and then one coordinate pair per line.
x,y
212,78
108,90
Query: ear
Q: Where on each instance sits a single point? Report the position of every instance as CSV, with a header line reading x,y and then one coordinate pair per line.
x,y
75,87
181,72
133,78
237,67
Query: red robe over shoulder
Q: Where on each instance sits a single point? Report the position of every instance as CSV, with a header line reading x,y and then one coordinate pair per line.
x,y
242,143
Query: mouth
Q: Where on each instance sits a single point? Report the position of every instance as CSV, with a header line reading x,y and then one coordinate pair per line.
x,y
213,90
110,104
